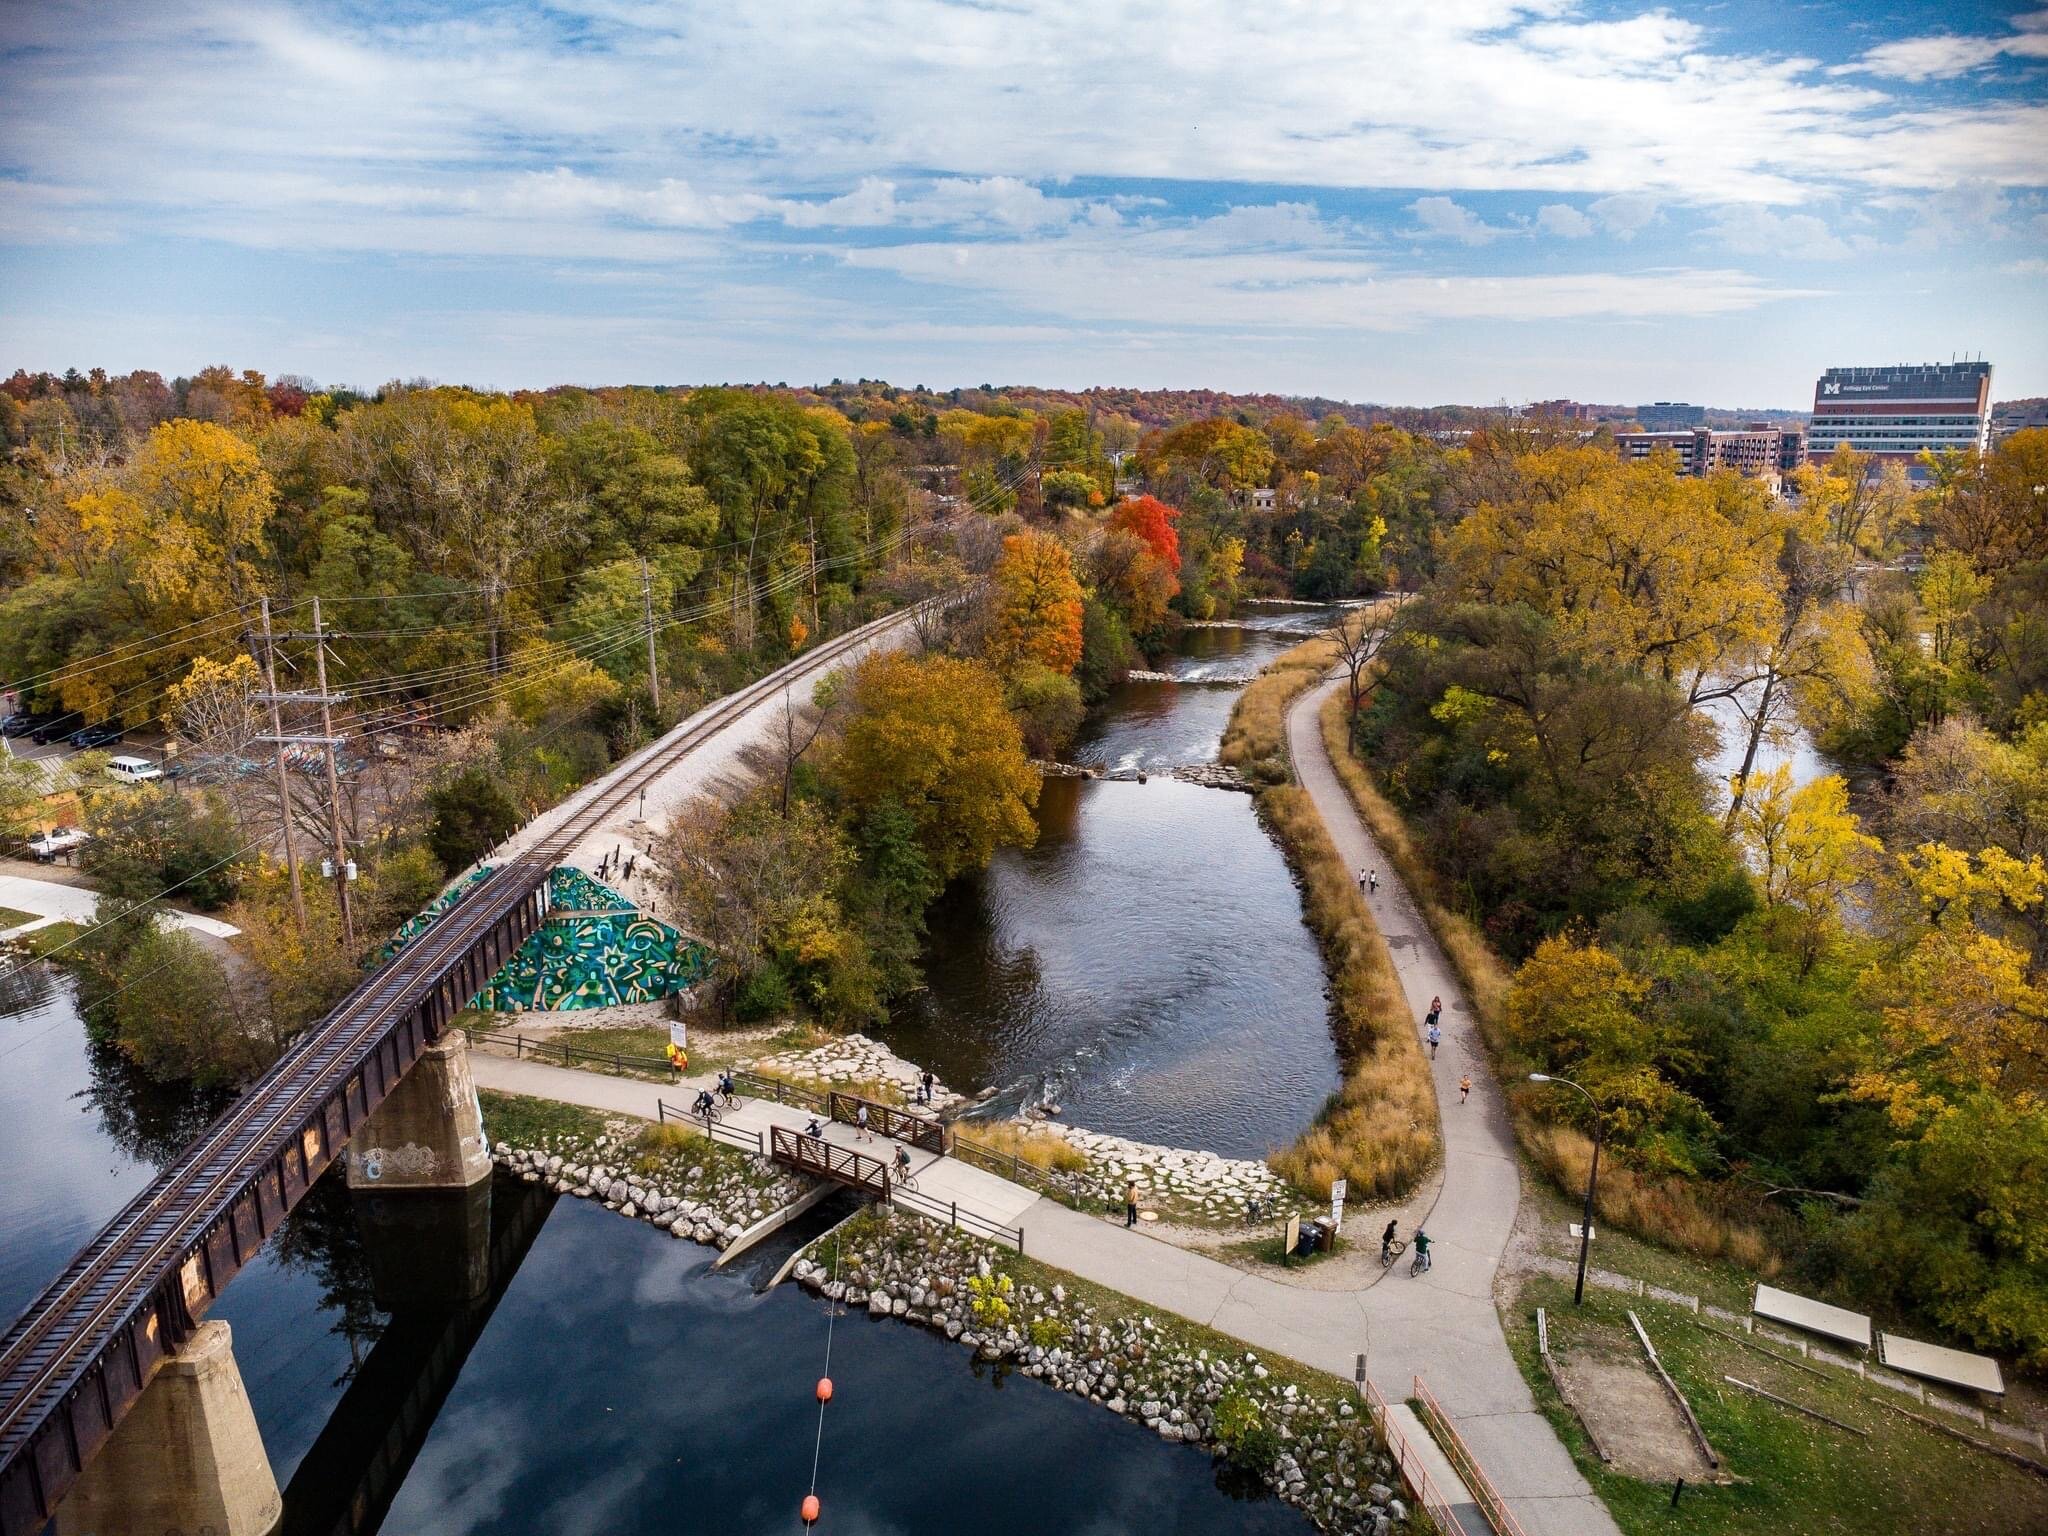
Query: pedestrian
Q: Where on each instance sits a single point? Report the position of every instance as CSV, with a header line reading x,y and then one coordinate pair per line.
x,y
1130,1203
1373,880
1436,1006
861,1120
1465,1087
1362,877
1436,1037
924,1087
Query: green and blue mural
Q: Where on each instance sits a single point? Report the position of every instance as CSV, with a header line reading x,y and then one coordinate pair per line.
x,y
596,950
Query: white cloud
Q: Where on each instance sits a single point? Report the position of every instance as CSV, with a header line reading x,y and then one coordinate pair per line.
x,y
2032,266
1759,231
1624,215
1946,55
1564,221
1448,220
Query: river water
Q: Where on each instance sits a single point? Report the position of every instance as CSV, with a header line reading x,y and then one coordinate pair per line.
x,y
1144,966
607,1382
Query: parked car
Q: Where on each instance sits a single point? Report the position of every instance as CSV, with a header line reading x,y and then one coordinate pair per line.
x,y
56,727
133,770
20,723
94,737
45,846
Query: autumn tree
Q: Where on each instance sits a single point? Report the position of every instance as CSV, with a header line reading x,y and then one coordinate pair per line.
x,y
1037,601
1809,851
932,734
1152,521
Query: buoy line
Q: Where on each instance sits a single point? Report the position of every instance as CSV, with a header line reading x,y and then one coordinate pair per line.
x,y
810,1508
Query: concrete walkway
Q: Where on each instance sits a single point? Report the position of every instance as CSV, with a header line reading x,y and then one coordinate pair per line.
x,y
1456,1345
54,901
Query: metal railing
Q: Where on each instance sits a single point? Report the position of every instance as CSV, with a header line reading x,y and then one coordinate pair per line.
x,y
732,1135
793,1094
621,1061
950,1211
821,1159
1484,1494
1413,1472
920,1131
1013,1168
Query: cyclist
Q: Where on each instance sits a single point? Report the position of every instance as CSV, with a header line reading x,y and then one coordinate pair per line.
x,y
702,1104
814,1130
902,1162
1387,1244
725,1090
1422,1259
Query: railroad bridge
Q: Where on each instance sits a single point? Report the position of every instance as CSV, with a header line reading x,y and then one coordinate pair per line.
x,y
384,1074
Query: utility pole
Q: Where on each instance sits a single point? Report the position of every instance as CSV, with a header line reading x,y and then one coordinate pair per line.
x,y
341,862
284,788
647,610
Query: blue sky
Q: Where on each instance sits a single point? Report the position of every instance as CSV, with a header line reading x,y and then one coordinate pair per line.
x,y
1399,200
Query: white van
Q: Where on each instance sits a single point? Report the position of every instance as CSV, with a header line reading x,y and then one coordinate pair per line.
x,y
133,770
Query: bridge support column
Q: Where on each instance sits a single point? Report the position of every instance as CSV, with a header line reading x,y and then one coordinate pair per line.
x,y
429,1131
428,1248
188,1457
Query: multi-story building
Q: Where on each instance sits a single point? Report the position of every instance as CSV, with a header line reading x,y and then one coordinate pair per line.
x,y
1791,448
1898,413
1758,450
1670,416
2018,416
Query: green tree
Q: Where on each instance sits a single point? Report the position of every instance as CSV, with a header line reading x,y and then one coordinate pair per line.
x,y
148,840
472,812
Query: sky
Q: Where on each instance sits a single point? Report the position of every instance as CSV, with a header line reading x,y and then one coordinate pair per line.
x,y
1405,201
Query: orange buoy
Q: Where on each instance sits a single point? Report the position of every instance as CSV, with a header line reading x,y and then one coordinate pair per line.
x,y
824,1389
810,1509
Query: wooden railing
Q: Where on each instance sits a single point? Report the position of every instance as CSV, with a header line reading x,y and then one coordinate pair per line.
x,y
920,1131
1413,1472
733,1135
620,1062
819,1158
1484,1494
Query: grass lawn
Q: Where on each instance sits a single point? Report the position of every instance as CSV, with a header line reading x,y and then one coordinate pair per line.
x,y
1792,1472
522,1121
1724,1284
14,917
43,940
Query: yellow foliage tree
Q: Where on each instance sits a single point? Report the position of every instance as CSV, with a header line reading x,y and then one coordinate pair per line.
x,y
933,735
1037,606
187,519
1808,848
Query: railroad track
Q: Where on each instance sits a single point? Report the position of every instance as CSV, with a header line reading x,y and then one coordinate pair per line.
x,y
55,1341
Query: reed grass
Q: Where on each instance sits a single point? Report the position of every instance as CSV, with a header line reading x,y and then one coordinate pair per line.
x,y
1379,1130
1255,740
1041,1149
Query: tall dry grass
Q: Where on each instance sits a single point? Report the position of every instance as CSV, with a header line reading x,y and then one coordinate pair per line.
x,y
1379,1131
1255,740
1676,1212
1041,1149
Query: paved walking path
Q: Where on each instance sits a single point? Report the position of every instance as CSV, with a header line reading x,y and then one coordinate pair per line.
x,y
1458,1348
54,901
1440,1325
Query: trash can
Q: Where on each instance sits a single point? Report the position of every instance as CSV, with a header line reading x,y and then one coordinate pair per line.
x,y
1305,1244
1326,1234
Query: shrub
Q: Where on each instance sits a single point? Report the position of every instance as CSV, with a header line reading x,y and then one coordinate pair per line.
x,y
1041,1149
989,1299
1247,1439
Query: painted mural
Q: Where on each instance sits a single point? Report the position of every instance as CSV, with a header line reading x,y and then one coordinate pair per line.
x,y
596,950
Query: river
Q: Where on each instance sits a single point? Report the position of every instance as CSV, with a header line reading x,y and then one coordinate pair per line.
x,y
1144,966
608,1382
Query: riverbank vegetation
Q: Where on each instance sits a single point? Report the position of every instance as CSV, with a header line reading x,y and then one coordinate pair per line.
x,y
1379,1130
1813,1020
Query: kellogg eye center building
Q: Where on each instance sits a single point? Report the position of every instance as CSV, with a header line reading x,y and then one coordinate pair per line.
x,y
1898,413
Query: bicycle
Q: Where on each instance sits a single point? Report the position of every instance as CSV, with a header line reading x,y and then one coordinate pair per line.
x,y
1392,1251
1420,1262
1257,1210
729,1100
902,1178
710,1114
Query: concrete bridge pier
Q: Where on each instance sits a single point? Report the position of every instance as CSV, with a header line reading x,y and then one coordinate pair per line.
x,y
428,1248
188,1456
429,1131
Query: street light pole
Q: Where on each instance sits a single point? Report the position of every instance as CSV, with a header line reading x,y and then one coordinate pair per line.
x,y
1592,1177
